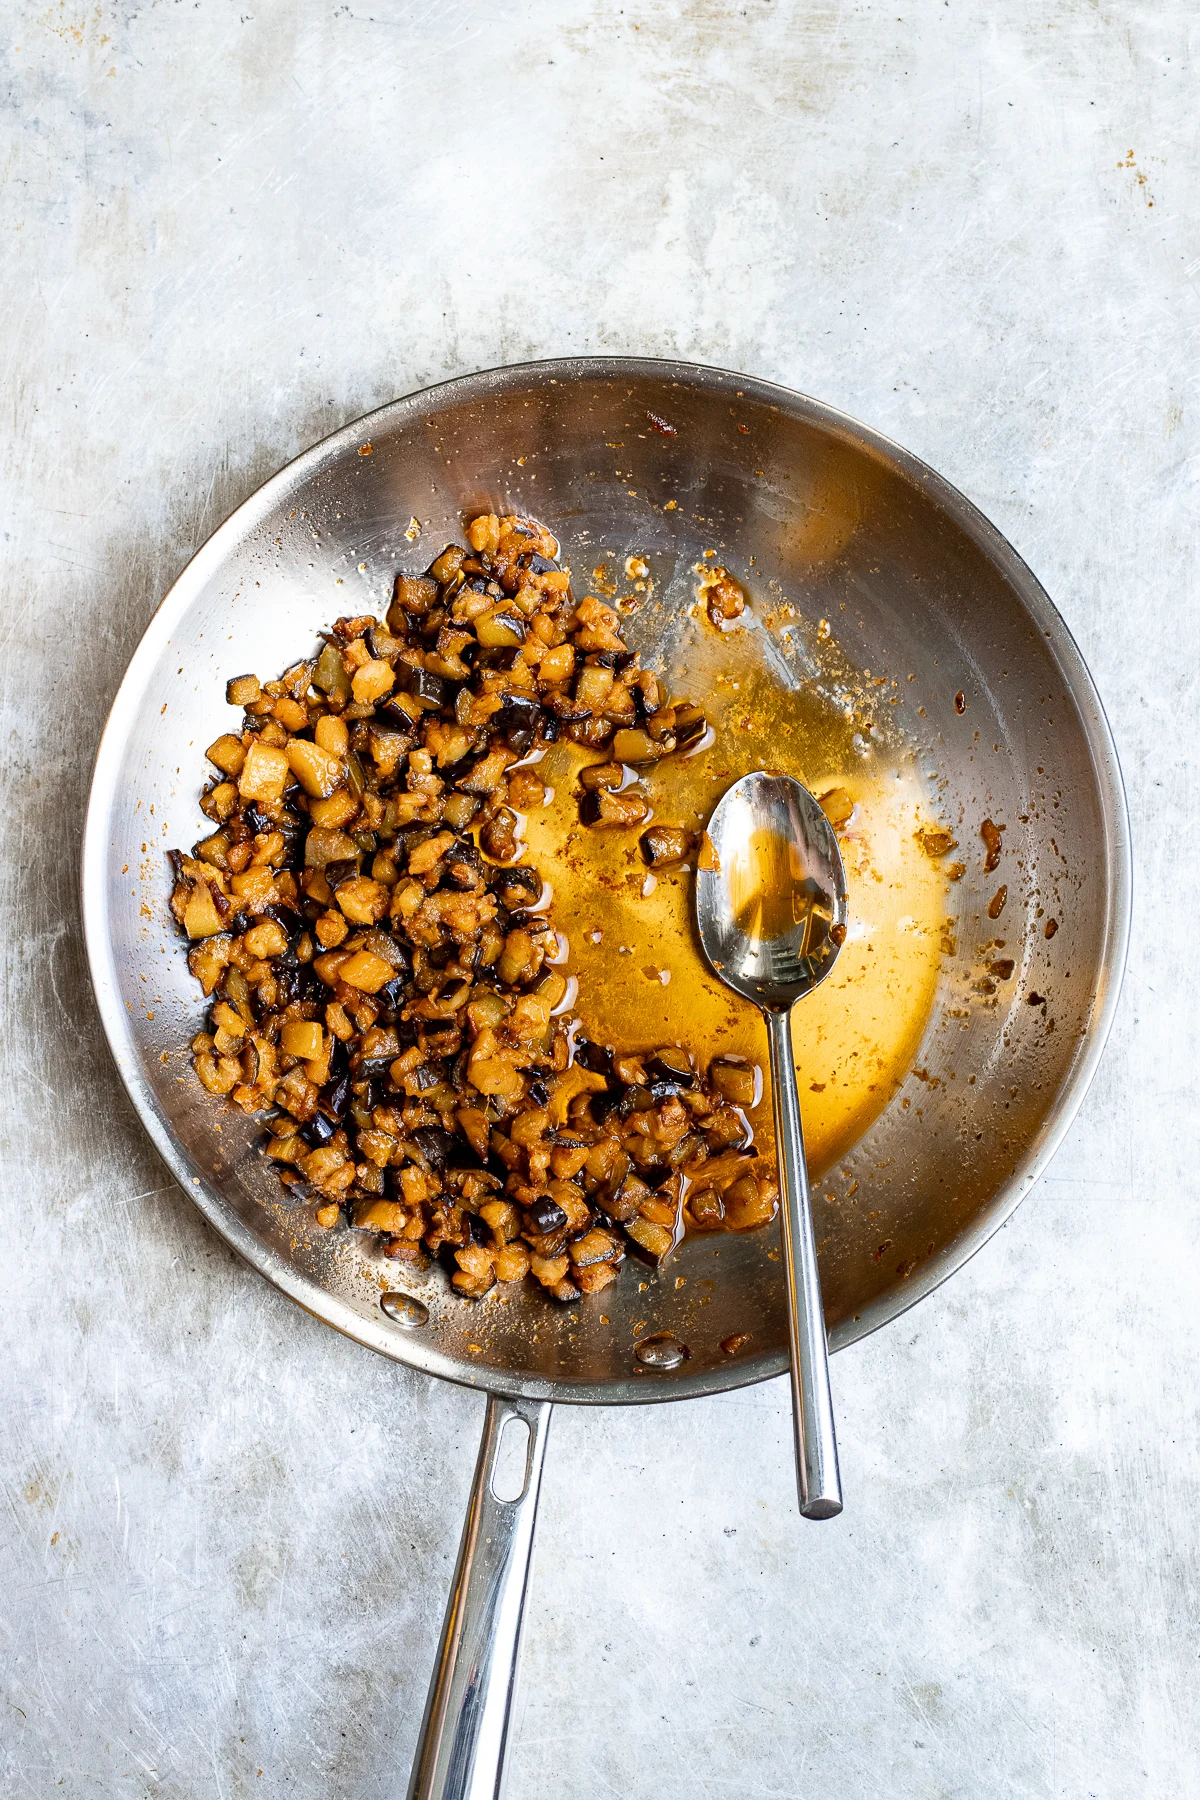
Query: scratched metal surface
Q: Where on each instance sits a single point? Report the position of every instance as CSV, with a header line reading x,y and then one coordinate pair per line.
x,y
228,1532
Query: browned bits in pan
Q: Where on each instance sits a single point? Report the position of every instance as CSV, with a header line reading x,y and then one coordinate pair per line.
x,y
991,838
381,971
997,903
706,857
725,599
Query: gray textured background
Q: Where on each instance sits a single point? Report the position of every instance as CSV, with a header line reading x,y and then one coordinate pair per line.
x,y
227,1534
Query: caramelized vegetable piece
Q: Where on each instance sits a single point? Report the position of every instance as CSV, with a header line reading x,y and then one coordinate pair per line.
x,y
737,1081
837,806
633,746
264,773
317,771
664,846
228,753
200,916
690,725
303,1038
614,811
608,775
243,690
365,971
330,674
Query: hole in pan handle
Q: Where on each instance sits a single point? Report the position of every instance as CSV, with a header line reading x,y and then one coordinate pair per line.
x,y
510,1474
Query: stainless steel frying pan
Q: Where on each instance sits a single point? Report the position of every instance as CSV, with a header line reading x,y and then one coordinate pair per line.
x,y
836,514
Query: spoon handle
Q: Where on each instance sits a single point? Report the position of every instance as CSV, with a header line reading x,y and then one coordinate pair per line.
x,y
812,1403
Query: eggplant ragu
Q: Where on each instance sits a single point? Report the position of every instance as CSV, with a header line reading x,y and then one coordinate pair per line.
x,y
380,964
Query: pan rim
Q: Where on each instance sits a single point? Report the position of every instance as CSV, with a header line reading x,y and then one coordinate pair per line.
x,y
1117,864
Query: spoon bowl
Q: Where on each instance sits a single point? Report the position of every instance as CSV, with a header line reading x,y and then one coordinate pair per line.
x,y
771,913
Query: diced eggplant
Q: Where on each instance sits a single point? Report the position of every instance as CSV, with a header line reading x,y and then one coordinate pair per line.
x,y
499,837
391,714
243,690
518,721
343,868
605,810
414,596
501,630
604,1103
655,1175
335,1098
635,745
567,710
391,997
666,846
440,1041
385,944
289,918
636,1098
673,1066
609,775
691,723
736,1080
546,1215
596,1057
462,867
372,1068
421,684
287,983
436,1145
382,644
517,888
318,1131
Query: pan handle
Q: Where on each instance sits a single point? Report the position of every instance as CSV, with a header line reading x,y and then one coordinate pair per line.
x,y
465,1734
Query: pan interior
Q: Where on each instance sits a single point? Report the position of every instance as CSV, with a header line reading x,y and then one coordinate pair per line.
x,y
660,462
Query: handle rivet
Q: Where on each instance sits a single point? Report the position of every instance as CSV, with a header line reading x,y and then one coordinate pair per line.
x,y
402,1309
662,1351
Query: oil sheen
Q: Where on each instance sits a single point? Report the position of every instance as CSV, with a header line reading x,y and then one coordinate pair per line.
x,y
632,940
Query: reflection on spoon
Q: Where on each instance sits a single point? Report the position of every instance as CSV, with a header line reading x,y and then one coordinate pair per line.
x,y
771,892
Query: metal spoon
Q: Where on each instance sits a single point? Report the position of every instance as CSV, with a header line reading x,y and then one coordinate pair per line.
x,y
771,911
